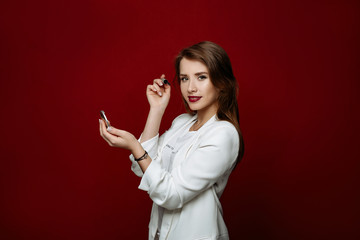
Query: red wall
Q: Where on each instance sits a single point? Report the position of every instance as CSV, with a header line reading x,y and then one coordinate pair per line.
x,y
61,62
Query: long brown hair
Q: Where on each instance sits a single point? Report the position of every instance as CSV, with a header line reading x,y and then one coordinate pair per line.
x,y
221,75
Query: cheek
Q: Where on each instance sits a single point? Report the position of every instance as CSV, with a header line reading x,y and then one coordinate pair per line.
x,y
183,89
212,91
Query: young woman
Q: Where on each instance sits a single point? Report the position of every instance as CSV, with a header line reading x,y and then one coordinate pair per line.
x,y
185,171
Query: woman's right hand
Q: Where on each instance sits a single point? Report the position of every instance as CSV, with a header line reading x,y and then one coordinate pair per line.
x,y
158,94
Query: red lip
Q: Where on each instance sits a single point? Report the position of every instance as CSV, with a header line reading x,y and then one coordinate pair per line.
x,y
194,98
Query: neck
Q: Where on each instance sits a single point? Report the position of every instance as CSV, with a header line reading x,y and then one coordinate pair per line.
x,y
205,114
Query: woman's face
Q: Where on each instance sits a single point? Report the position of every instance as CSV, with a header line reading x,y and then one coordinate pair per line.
x,y
196,87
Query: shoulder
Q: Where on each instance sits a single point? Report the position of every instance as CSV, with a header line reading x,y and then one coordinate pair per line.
x,y
221,132
222,126
220,138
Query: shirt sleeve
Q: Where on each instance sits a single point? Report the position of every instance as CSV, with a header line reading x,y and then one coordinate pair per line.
x,y
152,145
214,156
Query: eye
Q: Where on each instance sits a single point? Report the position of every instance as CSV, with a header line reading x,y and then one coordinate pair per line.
x,y
184,79
202,77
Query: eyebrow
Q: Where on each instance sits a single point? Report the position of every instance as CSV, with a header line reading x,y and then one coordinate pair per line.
x,y
196,74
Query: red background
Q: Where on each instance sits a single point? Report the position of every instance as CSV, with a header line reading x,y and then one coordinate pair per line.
x,y
61,62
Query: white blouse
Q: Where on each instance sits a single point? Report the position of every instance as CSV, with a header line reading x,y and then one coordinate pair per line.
x,y
168,155
189,194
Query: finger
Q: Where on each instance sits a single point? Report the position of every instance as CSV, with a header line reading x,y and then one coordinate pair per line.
x,y
102,130
157,87
104,134
116,132
112,131
164,81
159,82
167,88
115,137
151,88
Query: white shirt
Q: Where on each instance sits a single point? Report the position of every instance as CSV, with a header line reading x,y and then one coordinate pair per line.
x,y
168,155
190,192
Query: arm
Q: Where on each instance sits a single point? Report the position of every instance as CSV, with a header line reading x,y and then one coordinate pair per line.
x,y
152,145
158,95
123,139
212,159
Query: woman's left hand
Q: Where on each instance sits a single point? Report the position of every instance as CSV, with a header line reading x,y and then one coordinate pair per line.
x,y
117,138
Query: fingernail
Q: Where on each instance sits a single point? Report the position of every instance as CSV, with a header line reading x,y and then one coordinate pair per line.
x,y
109,128
160,94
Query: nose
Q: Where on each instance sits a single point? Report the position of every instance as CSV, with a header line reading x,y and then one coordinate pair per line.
x,y
192,86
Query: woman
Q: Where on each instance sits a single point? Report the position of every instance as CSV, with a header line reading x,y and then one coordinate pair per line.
x,y
185,171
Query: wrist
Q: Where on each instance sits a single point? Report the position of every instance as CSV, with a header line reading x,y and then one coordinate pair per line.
x,y
137,150
157,110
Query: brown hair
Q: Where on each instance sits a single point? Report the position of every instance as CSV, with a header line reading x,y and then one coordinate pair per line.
x,y
221,75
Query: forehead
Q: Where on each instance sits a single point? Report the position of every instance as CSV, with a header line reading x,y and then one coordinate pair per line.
x,y
189,66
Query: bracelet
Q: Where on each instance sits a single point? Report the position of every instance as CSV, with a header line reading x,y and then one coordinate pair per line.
x,y
142,157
